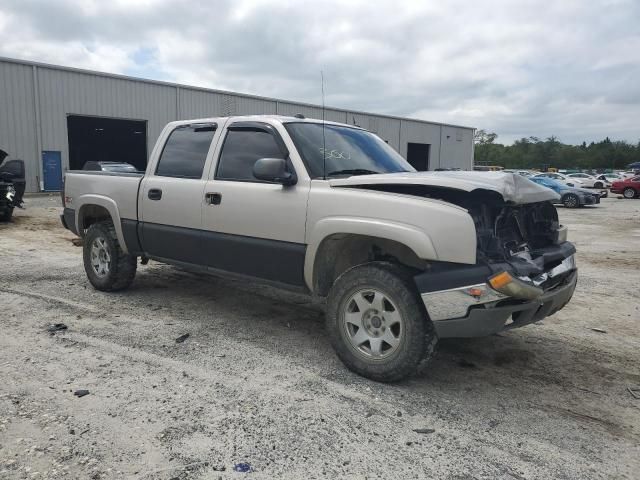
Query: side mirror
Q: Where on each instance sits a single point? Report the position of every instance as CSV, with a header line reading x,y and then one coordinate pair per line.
x,y
273,170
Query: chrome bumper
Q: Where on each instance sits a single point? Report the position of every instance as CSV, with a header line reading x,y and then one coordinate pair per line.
x,y
455,302
480,300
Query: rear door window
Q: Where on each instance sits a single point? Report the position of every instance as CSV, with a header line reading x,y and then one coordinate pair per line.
x,y
185,152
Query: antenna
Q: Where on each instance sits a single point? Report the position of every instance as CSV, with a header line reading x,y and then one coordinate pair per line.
x,y
324,146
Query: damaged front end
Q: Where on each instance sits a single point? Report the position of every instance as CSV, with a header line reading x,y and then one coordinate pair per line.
x,y
525,270
527,240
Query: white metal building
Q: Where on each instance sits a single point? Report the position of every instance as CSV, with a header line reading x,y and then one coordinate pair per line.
x,y
56,118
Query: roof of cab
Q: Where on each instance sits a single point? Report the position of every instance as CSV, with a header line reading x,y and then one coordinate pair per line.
x,y
278,118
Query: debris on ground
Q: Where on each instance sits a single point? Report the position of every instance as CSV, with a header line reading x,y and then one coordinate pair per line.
x,y
599,330
424,431
242,467
56,327
635,392
77,242
81,393
182,338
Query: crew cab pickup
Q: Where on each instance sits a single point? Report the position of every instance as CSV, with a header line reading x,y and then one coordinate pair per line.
x,y
401,258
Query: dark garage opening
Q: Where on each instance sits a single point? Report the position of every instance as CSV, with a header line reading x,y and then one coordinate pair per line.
x,y
106,140
418,156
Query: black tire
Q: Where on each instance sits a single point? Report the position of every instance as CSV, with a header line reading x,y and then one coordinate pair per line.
x,y
417,340
629,193
6,216
598,185
121,266
571,200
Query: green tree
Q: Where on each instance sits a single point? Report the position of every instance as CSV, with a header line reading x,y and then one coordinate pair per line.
x,y
533,152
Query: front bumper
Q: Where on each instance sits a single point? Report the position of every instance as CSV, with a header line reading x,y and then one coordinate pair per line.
x,y
478,310
592,199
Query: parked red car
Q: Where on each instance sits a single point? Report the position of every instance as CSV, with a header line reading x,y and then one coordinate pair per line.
x,y
629,187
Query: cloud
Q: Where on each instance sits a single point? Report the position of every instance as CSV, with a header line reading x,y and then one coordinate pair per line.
x,y
517,68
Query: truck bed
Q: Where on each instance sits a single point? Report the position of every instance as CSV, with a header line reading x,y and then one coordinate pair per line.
x,y
120,187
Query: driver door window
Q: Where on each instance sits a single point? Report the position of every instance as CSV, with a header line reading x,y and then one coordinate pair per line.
x,y
240,151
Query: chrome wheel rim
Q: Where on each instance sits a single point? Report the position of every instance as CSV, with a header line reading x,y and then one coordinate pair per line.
x,y
570,201
100,257
372,324
628,193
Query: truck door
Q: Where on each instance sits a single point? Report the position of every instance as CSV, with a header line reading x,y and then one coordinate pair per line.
x,y
253,227
172,195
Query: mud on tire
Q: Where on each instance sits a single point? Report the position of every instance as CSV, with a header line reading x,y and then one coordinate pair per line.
x,y
416,335
108,268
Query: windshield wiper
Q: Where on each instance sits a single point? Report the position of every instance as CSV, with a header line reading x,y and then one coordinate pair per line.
x,y
352,171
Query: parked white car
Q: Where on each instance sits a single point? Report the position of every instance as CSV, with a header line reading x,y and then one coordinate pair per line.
x,y
610,177
589,181
572,182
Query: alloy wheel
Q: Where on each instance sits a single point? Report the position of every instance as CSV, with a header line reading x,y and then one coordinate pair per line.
x,y
372,324
100,257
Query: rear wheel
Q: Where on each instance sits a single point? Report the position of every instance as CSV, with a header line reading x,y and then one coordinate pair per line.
x,y
108,268
377,323
598,185
629,193
571,200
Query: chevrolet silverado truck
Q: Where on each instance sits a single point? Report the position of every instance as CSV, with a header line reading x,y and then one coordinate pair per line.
x,y
401,258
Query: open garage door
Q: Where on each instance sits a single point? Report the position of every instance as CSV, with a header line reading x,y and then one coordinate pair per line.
x,y
418,155
106,140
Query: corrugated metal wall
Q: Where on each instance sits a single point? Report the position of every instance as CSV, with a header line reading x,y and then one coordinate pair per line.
x,y
35,100
456,147
18,119
62,93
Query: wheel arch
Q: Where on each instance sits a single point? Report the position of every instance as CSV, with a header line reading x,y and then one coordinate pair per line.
x,y
340,244
95,208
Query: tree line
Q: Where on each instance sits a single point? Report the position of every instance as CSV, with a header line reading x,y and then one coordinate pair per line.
x,y
533,152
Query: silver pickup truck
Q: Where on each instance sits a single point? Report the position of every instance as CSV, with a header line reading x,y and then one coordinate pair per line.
x,y
401,257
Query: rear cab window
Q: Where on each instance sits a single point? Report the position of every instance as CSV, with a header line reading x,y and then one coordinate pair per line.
x,y
185,151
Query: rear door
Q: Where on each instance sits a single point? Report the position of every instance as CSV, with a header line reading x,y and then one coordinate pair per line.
x,y
253,227
172,194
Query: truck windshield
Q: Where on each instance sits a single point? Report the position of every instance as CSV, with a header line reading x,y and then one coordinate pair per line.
x,y
346,151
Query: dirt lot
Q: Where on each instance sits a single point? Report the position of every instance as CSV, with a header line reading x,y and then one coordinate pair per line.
x,y
257,381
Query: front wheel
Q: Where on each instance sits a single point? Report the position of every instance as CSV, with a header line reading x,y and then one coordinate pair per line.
x,y
377,322
598,185
108,268
629,193
571,201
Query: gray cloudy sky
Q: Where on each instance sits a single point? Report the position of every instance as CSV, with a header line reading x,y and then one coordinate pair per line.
x,y
519,68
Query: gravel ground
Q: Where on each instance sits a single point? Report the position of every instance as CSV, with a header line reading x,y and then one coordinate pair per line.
x,y
256,381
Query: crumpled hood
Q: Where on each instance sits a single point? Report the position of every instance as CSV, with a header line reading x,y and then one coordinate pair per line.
x,y
512,187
